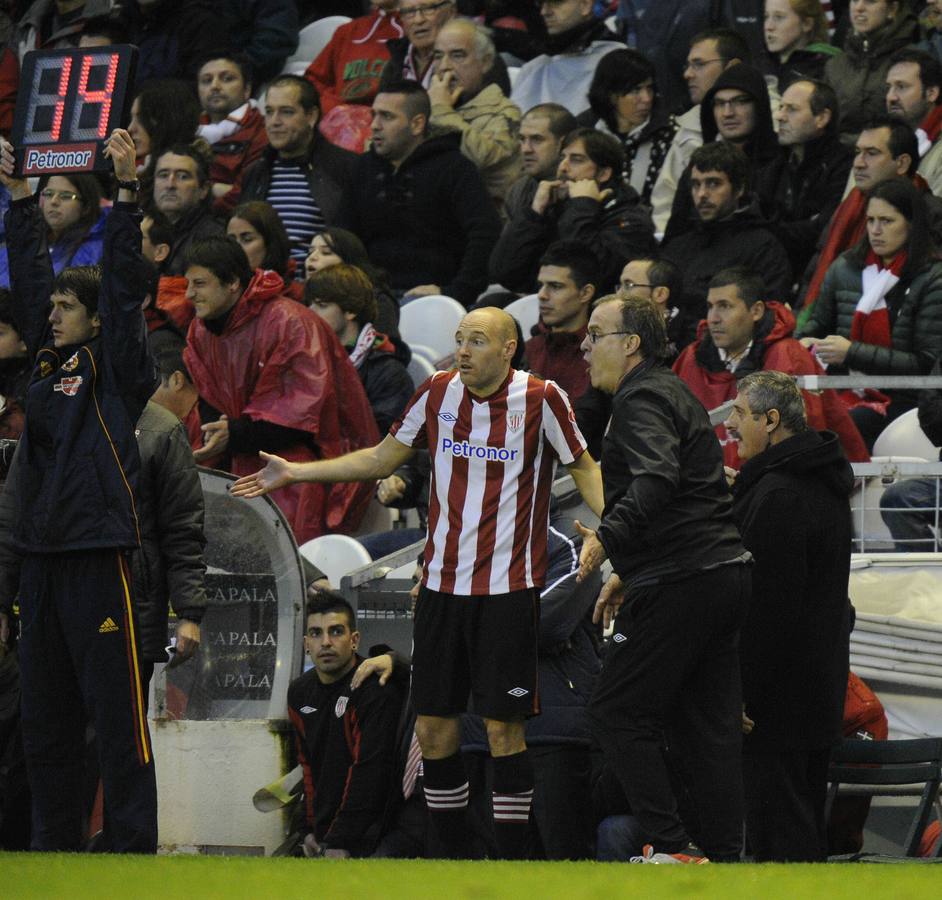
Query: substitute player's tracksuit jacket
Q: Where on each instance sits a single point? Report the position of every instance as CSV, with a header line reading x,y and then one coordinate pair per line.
x,y
76,518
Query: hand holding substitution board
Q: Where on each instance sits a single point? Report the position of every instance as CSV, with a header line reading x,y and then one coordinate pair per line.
x,y
68,102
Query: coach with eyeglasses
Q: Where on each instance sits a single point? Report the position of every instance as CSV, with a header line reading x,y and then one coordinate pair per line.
x,y
677,598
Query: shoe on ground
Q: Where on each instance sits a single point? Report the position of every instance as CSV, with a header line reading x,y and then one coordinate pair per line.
x,y
692,857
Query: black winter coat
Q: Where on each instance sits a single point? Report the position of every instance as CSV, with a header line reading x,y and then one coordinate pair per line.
x,y
197,225
170,570
806,196
329,171
667,509
791,505
431,221
742,239
617,230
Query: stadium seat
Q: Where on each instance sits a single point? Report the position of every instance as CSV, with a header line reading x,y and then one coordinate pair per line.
x,y
311,40
335,555
378,518
419,368
904,437
890,768
431,321
869,530
526,311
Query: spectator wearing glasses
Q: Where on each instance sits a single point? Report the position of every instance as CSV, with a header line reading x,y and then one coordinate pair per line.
x,y
711,52
75,222
736,110
410,57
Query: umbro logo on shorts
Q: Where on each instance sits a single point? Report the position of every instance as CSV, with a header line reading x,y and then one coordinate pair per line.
x,y
107,626
447,417
618,638
308,709
518,692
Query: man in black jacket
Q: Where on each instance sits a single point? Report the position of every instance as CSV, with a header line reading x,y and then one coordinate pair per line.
x,y
791,504
729,229
419,206
182,195
301,174
815,174
585,202
76,516
672,670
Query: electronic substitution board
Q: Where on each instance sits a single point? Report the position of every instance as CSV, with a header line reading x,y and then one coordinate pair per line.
x,y
68,102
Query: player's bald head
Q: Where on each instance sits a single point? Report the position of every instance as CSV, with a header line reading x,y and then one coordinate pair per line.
x,y
494,321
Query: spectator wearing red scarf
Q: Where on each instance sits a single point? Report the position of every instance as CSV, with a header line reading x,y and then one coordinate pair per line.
x,y
880,307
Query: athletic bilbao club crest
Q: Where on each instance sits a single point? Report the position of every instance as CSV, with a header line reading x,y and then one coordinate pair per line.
x,y
341,707
514,420
69,386
71,364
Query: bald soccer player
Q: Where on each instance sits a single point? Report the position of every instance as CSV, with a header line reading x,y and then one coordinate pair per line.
x,y
494,435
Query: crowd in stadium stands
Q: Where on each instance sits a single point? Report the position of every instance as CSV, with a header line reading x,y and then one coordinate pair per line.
x,y
767,174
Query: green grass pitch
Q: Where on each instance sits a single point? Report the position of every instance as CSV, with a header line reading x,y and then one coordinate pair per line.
x,y
103,877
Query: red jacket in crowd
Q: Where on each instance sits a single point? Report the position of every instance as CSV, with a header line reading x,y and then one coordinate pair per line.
x,y
347,70
279,362
234,154
777,351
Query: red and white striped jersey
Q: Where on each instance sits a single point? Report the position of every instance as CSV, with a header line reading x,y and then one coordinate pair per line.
x,y
493,462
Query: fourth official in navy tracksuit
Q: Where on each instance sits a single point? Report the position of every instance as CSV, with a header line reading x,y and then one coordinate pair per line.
x,y
76,518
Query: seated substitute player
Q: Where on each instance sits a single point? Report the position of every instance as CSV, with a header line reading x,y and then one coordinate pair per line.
x,y
346,736
494,435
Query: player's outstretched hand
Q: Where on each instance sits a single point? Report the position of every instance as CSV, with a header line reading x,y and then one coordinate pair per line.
x,y
610,600
18,187
120,150
593,553
275,475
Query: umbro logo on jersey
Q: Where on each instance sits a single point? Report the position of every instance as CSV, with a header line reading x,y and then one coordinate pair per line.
x,y
341,706
618,638
69,386
307,710
518,692
447,417
107,626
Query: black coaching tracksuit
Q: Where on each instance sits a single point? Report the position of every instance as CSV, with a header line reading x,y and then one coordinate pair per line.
x,y
76,519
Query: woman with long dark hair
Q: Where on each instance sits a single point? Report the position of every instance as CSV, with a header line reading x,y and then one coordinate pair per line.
x,y
624,101
258,230
880,307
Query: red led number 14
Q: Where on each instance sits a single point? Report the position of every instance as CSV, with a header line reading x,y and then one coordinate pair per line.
x,y
85,97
